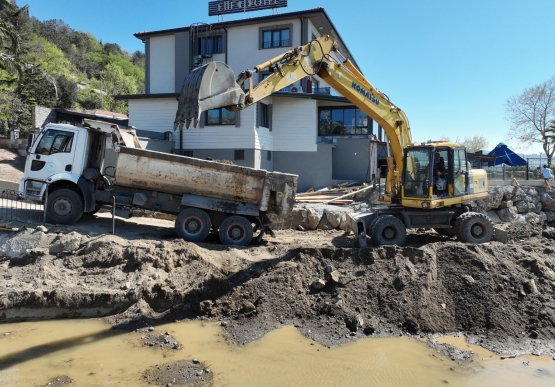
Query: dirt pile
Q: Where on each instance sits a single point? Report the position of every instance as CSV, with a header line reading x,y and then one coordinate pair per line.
x,y
498,294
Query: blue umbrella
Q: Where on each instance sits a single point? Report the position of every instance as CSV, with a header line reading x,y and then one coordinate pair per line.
x,y
503,155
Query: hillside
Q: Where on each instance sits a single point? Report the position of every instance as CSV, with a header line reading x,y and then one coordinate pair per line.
x,y
50,64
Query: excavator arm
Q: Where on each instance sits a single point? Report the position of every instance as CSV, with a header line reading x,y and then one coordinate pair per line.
x,y
214,86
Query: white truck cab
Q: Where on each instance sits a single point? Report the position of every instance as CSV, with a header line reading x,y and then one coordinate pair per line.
x,y
57,160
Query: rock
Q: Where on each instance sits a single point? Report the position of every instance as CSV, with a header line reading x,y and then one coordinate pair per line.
x,y
546,199
328,269
318,284
469,279
334,218
506,204
334,276
493,216
195,361
518,195
530,287
549,215
15,245
41,228
508,193
300,228
399,284
203,307
369,330
343,224
507,214
493,200
538,208
126,286
248,307
411,325
533,218
324,224
549,233
314,216
522,206
66,242
354,322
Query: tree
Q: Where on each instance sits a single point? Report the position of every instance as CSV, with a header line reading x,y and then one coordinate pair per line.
x,y
531,114
474,144
68,93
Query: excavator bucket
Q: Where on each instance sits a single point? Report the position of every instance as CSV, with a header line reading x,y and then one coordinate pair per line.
x,y
211,86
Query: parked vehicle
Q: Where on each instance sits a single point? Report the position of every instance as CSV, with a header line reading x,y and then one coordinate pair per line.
x,y
77,170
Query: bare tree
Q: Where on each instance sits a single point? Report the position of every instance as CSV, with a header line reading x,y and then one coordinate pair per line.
x,y
474,144
530,115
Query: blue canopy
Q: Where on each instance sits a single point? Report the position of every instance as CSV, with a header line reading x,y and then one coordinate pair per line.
x,y
503,155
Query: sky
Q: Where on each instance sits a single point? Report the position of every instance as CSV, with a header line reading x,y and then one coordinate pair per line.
x,y
450,65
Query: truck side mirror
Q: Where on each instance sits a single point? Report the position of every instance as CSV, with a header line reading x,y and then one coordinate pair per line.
x,y
30,141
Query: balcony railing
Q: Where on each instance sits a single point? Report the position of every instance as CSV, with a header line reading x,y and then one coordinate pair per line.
x,y
321,90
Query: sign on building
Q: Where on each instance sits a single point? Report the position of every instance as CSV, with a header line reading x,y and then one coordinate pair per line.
x,y
223,7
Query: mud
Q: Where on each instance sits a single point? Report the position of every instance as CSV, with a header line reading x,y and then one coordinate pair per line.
x,y
500,296
191,373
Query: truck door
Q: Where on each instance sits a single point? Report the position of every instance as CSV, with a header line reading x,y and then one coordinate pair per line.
x,y
460,172
53,153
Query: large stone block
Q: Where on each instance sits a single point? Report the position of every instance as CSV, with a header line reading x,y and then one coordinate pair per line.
x,y
521,206
507,214
314,216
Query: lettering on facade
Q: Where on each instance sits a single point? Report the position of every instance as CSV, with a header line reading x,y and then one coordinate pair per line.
x,y
365,93
235,6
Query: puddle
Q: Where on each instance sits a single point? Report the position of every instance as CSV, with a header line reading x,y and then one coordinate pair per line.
x,y
93,355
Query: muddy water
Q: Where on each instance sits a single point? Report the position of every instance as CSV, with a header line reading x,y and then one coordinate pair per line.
x,y
93,355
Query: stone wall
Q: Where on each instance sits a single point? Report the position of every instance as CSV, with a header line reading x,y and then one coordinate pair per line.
x,y
508,204
42,116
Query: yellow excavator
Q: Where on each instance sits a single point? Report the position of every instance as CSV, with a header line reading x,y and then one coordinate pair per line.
x,y
428,184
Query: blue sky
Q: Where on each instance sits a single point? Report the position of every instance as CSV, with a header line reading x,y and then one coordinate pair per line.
x,y
449,64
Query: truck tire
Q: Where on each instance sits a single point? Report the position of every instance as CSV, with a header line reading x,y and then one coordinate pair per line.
x,y
448,231
64,206
473,227
236,231
192,225
388,230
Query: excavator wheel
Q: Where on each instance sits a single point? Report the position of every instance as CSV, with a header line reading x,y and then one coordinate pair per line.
x,y
388,230
473,227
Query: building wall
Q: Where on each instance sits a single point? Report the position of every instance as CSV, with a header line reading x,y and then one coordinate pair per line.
x,y
182,54
162,64
225,154
294,125
244,45
354,159
314,168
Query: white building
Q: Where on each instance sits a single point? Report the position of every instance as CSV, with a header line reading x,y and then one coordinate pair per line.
x,y
310,132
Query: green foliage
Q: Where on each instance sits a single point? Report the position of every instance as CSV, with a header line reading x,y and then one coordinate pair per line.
x,y
50,64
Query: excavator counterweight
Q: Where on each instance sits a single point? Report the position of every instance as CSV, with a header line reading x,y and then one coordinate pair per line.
x,y
208,87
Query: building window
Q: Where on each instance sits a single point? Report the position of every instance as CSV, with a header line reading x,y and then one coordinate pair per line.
x,y
343,121
279,37
210,45
269,155
220,116
239,155
263,115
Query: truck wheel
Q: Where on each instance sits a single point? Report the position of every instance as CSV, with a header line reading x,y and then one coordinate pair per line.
x,y
192,225
388,230
449,231
236,231
473,227
64,206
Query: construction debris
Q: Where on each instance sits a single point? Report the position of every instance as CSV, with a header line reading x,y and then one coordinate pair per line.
x,y
341,195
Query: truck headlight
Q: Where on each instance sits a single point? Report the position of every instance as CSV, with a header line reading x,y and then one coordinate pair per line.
x,y
425,204
33,187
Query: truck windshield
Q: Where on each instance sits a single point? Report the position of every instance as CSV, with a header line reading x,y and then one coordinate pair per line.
x,y
417,173
55,141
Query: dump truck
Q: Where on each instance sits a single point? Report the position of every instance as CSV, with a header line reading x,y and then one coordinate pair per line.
x,y
428,184
75,171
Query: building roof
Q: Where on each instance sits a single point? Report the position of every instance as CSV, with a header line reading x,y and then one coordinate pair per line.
x,y
94,113
281,94
318,15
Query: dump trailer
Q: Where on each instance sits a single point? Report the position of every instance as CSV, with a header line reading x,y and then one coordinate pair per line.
x,y
77,170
